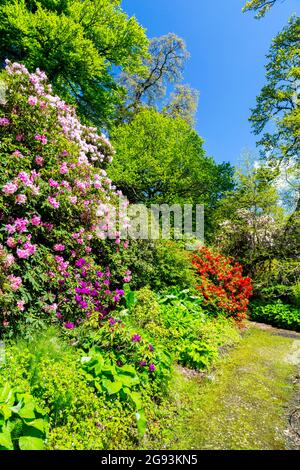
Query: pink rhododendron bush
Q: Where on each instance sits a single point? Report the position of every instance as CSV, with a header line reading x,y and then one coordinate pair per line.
x,y
54,195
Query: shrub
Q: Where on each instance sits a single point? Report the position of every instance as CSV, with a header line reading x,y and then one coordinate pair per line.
x,y
277,314
54,213
221,283
180,325
159,264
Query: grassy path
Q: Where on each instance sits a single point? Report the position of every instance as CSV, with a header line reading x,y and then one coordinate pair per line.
x,y
243,404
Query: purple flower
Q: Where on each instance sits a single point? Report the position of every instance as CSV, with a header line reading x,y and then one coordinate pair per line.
x,y
151,367
80,262
69,325
136,338
112,321
143,363
59,315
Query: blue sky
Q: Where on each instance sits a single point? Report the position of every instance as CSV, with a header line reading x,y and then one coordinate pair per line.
x,y
227,61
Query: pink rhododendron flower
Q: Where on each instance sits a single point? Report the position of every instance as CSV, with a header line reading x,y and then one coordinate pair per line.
x,y
53,183
20,137
10,188
36,220
32,100
25,178
21,199
11,242
20,305
59,247
17,153
21,225
4,122
9,261
54,203
64,169
15,282
41,138
73,199
39,160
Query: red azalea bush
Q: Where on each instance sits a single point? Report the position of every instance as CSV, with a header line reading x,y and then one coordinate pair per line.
x,y
221,282
55,209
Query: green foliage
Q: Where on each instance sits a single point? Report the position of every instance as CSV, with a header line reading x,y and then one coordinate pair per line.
x,y
23,424
159,264
278,101
147,310
259,6
76,43
182,326
160,160
277,314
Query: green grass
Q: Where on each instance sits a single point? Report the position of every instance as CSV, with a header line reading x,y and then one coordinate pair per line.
x,y
240,405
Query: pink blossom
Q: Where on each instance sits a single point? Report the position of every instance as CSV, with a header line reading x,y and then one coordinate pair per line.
x,y
10,188
63,169
15,282
32,100
25,178
54,203
9,261
21,199
17,153
21,225
10,228
59,247
4,121
23,254
30,248
41,138
20,305
73,199
43,104
20,137
36,220
39,160
53,183
11,242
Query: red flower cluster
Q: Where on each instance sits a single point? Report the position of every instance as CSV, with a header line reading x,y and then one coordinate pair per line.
x,y
222,283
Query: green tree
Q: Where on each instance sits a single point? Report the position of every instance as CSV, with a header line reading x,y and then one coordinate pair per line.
x,y
160,159
278,105
79,44
261,7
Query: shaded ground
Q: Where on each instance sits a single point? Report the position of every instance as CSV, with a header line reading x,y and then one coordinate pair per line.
x,y
246,402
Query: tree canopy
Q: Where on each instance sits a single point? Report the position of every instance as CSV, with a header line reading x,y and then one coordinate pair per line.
x,y
79,44
160,159
277,109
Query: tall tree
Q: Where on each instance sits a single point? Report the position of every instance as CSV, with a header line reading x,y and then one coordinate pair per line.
x,y
160,159
278,103
163,67
79,44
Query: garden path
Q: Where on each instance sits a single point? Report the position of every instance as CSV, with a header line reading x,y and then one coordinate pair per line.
x,y
249,401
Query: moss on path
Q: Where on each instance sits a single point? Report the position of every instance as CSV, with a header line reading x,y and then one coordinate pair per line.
x,y
243,404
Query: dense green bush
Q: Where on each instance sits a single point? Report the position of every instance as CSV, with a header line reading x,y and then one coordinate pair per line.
x,y
177,321
159,264
277,314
